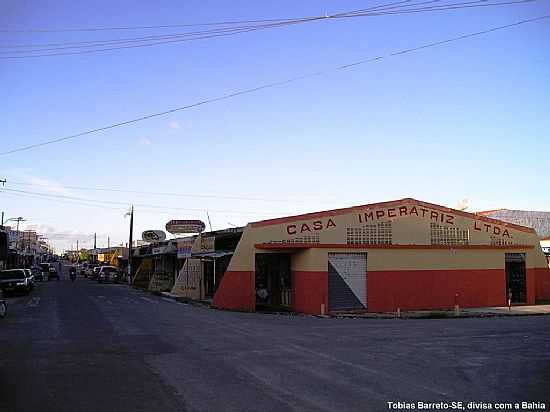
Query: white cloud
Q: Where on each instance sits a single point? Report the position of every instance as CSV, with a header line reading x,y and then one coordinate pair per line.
x,y
144,141
46,184
174,125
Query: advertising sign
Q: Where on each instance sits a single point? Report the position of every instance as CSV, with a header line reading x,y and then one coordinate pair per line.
x,y
185,226
153,236
184,248
208,244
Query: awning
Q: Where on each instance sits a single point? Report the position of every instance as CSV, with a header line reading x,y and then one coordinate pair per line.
x,y
212,255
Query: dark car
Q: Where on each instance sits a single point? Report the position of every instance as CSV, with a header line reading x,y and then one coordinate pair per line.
x,y
3,305
15,280
108,274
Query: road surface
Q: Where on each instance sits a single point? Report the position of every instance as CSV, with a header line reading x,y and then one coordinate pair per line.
x,y
88,347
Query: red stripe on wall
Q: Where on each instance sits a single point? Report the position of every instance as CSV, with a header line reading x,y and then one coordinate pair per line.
x,y
309,291
284,246
434,289
236,292
542,284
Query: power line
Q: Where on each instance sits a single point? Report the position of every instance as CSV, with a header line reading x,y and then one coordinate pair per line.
x,y
170,26
190,195
98,46
273,84
145,205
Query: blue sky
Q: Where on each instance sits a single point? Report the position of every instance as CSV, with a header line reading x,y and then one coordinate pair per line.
x,y
468,120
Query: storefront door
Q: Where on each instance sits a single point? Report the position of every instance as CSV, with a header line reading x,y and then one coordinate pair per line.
x,y
273,280
515,277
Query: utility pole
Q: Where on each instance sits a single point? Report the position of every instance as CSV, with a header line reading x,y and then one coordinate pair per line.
x,y
108,242
77,253
95,240
130,243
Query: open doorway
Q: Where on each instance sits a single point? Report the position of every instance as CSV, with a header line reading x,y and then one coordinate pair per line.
x,y
273,281
515,277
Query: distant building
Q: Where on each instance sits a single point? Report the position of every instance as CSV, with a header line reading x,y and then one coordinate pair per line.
x,y
540,221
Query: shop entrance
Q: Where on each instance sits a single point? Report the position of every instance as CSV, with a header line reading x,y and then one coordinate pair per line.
x,y
273,281
515,277
347,281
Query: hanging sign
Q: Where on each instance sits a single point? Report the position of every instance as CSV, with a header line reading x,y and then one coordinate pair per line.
x,y
185,226
153,236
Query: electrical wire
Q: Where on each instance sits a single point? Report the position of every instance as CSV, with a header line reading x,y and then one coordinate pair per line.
x,y
272,85
149,206
142,192
149,41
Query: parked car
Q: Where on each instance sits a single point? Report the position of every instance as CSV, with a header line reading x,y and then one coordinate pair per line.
x,y
15,280
95,273
30,276
89,270
3,305
37,273
108,274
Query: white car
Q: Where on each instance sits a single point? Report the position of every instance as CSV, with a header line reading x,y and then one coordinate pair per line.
x,y
108,274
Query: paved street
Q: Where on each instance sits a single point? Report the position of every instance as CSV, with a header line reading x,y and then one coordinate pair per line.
x,y
88,347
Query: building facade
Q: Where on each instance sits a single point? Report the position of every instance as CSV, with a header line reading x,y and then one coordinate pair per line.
x,y
405,254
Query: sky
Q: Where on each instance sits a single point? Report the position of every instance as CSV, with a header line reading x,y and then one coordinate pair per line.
x,y
462,123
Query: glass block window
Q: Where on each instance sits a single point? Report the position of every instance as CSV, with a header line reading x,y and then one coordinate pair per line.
x,y
301,239
448,235
498,241
374,234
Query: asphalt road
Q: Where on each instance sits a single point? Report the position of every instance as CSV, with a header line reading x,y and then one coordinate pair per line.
x,y
88,347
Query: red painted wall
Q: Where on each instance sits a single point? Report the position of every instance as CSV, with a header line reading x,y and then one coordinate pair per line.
x,y
309,291
530,279
435,289
236,292
542,284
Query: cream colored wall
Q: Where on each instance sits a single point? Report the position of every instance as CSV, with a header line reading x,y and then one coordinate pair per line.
x,y
406,230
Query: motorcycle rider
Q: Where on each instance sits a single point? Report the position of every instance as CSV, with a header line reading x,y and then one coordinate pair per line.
x,y
72,273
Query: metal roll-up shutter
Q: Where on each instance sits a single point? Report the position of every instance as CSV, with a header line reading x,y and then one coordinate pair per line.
x,y
347,281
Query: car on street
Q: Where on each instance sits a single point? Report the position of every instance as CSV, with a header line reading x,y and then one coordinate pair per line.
x,y
3,305
95,273
15,280
37,273
30,276
88,271
52,273
108,274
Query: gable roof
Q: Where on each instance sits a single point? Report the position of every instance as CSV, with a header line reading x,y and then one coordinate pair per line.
x,y
362,208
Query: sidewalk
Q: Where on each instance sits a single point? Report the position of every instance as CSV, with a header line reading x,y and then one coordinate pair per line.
x,y
534,310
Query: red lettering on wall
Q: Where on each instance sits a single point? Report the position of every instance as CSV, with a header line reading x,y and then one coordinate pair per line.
x,y
330,223
317,225
496,230
305,228
391,213
476,226
403,211
433,215
360,219
413,211
487,227
450,219
291,229
367,215
379,214
506,233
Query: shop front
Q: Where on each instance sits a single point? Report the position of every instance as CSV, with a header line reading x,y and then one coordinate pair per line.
x,y
404,254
